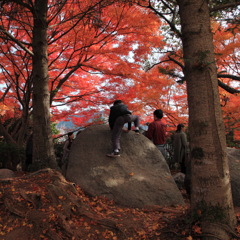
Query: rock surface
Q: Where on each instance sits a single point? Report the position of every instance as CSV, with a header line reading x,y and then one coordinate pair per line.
x,y
6,173
139,177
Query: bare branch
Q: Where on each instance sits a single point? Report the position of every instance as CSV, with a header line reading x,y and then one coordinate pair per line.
x,y
175,61
233,77
73,98
5,93
15,40
227,88
171,24
225,6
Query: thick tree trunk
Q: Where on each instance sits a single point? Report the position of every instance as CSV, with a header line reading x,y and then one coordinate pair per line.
x,y
43,154
211,197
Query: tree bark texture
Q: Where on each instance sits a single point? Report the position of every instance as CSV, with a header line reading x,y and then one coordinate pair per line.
x,y
211,194
43,153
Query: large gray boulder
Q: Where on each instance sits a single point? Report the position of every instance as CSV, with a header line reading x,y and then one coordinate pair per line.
x,y
234,167
139,177
6,173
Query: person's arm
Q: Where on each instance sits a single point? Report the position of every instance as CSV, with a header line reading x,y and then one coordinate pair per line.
x,y
111,118
149,133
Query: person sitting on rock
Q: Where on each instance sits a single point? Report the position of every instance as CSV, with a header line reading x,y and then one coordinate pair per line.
x,y
119,115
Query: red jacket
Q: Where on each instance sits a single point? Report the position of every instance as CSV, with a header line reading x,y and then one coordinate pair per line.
x,y
157,132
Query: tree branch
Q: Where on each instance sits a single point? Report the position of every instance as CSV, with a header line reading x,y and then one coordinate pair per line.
x,y
172,25
177,62
227,88
225,6
6,135
5,93
15,40
74,98
233,77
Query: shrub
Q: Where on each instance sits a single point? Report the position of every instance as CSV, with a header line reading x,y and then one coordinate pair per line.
x,y
10,155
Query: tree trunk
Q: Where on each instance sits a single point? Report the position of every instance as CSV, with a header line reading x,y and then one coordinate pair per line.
x,y
211,198
43,153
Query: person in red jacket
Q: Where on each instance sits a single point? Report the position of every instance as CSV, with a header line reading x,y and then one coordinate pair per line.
x,y
157,131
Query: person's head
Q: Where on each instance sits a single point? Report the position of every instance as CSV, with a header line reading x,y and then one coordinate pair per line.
x,y
70,135
179,127
158,114
117,102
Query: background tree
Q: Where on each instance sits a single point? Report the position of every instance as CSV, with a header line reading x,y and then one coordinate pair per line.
x,y
75,43
96,53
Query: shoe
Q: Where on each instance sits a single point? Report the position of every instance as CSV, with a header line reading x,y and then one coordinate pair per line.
x,y
137,131
113,154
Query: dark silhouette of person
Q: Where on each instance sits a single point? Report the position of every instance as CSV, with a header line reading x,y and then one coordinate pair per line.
x,y
180,147
66,150
119,115
29,152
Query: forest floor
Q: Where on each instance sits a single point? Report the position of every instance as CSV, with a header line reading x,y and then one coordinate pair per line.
x,y
43,206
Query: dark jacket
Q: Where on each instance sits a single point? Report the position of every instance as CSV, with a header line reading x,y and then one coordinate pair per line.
x,y
180,147
117,111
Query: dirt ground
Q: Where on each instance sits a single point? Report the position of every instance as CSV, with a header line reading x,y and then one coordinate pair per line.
x,y
44,206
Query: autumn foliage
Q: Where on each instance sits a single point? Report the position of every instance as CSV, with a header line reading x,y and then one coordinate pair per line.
x,y
99,52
